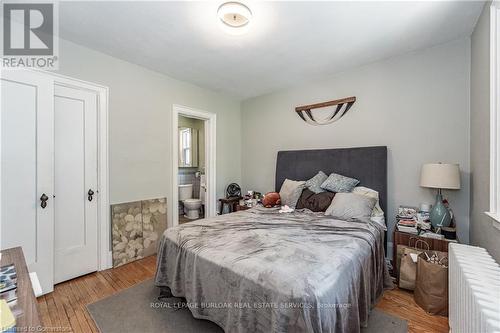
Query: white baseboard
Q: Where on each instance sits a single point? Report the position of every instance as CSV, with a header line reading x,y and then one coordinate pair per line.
x,y
106,261
35,284
110,260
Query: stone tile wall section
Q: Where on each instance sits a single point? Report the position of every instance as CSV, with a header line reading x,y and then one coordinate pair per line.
x,y
136,228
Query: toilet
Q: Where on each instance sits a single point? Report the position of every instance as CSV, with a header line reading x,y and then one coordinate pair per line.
x,y
191,206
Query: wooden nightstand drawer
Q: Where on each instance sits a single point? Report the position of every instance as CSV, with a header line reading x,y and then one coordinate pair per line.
x,y
402,238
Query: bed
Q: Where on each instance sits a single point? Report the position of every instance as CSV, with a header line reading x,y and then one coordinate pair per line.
x,y
262,271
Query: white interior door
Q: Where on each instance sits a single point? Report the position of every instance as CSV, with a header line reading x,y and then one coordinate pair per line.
x,y
27,170
75,215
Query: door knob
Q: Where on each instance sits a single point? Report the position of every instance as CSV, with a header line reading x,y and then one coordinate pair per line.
x,y
43,200
90,193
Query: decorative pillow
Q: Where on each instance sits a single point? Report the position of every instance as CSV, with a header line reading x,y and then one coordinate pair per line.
x,y
314,184
368,192
351,207
302,202
290,192
377,212
317,202
339,183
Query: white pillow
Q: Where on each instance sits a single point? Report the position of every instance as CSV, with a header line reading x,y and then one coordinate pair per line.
x,y
377,213
351,206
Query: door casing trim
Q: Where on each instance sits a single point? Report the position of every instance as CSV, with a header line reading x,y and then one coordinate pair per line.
x,y
210,160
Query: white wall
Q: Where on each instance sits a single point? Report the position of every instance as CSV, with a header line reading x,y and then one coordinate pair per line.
x,y
482,232
140,106
416,104
427,91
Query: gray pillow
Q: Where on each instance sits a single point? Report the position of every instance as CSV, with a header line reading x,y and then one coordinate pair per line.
x,y
290,192
338,183
351,207
314,184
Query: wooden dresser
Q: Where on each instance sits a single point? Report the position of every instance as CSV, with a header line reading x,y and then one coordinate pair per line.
x,y
28,320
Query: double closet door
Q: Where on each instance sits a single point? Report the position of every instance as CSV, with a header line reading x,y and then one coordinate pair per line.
x,y
49,175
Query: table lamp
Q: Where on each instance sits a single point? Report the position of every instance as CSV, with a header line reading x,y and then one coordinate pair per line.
x,y
440,176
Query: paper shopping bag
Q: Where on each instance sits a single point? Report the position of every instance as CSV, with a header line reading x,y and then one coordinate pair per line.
x,y
408,269
431,285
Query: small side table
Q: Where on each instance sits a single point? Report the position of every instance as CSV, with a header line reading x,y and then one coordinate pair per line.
x,y
233,202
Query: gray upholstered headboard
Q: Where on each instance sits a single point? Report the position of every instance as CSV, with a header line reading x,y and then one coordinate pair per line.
x,y
367,164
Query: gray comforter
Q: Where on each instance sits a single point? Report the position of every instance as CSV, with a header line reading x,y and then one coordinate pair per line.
x,y
261,271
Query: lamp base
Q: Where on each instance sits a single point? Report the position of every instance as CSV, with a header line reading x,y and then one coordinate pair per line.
x,y
440,215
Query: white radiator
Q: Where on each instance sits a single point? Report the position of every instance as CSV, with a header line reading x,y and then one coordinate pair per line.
x,y
474,290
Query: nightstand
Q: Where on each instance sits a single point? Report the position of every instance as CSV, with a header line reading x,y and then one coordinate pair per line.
x,y
403,238
232,202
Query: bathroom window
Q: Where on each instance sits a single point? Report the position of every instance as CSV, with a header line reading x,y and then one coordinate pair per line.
x,y
188,147
185,141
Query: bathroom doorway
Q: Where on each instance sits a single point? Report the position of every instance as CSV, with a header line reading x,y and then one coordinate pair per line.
x,y
193,164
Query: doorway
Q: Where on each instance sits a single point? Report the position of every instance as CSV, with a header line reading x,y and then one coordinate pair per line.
x,y
75,182
193,165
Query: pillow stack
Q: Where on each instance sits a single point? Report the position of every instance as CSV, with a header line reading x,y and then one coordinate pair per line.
x,y
336,195
315,194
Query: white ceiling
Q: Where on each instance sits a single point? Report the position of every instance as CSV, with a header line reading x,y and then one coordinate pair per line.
x,y
288,42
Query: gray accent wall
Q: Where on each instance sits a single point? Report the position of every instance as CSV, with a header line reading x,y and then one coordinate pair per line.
x,y
140,134
482,231
416,104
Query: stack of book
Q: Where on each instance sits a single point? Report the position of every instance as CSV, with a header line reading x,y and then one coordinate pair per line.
x,y
407,220
8,284
408,226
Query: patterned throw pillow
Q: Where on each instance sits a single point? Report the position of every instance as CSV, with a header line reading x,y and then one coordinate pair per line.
x,y
338,183
314,184
290,192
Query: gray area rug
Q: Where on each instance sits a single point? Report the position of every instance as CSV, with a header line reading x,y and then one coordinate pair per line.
x,y
137,309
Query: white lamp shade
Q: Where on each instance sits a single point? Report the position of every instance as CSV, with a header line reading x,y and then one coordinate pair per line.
x,y
440,175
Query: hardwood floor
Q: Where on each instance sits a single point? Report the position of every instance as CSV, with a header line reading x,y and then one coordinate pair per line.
x,y
64,309
400,303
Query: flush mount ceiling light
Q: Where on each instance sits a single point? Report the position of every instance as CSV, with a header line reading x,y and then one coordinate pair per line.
x,y
234,15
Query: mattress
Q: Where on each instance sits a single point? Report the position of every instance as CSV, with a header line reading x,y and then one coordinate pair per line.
x,y
262,271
